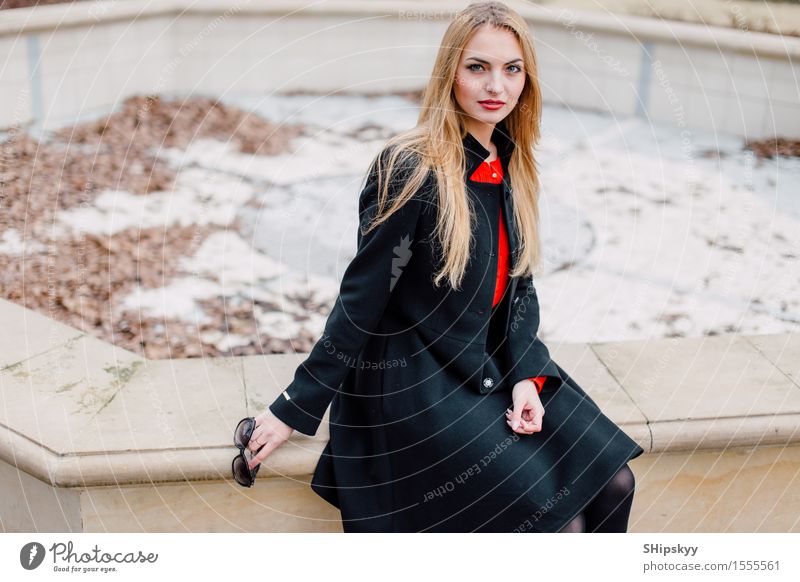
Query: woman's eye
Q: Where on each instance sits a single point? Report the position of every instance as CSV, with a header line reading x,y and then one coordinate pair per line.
x,y
516,68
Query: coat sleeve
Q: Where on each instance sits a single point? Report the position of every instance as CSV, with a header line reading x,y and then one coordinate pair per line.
x,y
529,356
539,381
363,295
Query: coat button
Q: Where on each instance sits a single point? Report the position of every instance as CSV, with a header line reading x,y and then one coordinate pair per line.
x,y
488,382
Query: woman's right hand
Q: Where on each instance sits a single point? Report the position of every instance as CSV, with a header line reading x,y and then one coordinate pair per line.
x,y
527,413
271,432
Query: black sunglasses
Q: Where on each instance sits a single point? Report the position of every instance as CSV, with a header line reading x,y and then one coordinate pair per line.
x,y
243,475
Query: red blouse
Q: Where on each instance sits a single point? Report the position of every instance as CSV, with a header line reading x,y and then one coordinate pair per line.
x,y
492,172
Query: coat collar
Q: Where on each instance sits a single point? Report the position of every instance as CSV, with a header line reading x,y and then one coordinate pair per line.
x,y
475,153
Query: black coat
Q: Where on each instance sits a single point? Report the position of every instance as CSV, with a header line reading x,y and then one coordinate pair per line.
x,y
418,436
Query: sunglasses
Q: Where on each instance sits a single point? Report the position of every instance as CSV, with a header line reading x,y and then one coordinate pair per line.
x,y
243,475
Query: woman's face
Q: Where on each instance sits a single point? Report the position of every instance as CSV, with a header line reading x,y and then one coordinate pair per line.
x,y
490,75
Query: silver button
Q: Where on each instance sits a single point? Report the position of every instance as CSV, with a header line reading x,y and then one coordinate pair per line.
x,y
488,382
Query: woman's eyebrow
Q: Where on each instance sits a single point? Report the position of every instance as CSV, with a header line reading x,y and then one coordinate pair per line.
x,y
487,62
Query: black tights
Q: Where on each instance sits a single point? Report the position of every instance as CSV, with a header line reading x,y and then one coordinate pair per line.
x,y
610,509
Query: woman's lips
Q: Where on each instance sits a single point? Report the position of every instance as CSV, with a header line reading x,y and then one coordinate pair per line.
x,y
491,105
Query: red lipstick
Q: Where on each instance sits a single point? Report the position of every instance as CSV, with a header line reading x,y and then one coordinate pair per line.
x,y
492,104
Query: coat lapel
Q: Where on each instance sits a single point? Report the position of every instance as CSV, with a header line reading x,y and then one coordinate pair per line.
x,y
511,228
475,153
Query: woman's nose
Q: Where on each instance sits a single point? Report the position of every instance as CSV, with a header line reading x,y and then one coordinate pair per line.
x,y
494,84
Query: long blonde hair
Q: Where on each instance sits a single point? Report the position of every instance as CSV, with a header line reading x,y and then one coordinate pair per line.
x,y
435,144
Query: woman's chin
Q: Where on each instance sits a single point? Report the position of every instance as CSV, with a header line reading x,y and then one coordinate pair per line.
x,y
484,116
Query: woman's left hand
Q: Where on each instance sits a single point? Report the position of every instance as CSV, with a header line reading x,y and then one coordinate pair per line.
x,y
526,417
269,433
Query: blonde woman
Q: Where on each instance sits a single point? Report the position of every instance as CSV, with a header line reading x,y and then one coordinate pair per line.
x,y
447,412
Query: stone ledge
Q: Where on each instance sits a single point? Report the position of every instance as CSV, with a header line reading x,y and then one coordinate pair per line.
x,y
85,413
43,18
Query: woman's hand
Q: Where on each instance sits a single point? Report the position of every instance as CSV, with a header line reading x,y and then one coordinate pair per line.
x,y
526,417
271,432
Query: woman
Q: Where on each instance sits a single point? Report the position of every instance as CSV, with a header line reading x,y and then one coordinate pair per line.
x,y
447,412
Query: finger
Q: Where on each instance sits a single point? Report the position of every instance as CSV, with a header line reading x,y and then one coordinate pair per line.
x,y
262,454
259,457
526,427
538,416
257,439
516,414
520,429
535,425
526,416
510,418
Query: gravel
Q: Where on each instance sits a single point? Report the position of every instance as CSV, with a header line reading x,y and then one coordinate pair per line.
x,y
80,280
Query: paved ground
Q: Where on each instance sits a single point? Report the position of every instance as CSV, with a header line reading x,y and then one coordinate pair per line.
x,y
647,233
647,236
